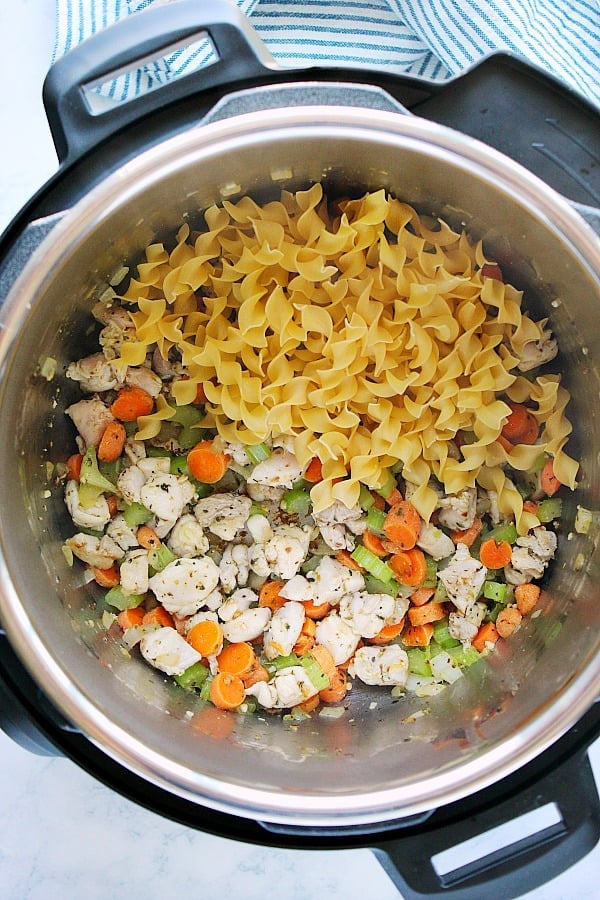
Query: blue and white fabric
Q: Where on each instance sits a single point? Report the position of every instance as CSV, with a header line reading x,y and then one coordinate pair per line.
x,y
430,39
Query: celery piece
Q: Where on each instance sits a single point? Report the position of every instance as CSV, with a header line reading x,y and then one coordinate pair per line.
x,y
365,498
538,464
136,514
257,509
188,437
257,453
495,590
494,612
374,586
390,483
205,688
375,519
315,672
159,558
549,509
418,663
441,594
505,532
296,501
284,662
178,465
88,494
432,569
193,677
463,657
372,564
117,597
111,470
91,474
187,415
442,636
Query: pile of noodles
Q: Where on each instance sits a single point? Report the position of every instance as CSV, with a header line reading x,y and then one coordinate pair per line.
x,y
361,330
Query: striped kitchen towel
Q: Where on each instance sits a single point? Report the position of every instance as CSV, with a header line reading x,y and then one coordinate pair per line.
x,y
430,39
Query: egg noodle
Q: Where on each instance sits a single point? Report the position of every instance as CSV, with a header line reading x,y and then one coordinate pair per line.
x,y
363,331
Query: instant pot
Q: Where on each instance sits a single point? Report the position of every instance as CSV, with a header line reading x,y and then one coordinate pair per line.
x,y
504,150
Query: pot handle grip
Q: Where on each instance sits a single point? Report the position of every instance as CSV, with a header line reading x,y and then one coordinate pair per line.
x,y
78,124
440,862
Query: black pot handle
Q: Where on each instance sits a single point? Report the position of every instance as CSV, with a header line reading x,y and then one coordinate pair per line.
x,y
569,795
140,38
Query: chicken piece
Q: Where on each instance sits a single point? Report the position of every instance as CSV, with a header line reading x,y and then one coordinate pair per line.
x,y
265,493
381,665
234,567
289,687
154,465
258,561
164,368
130,482
121,533
283,630
337,636
90,418
536,353
165,496
237,603
259,529
280,470
464,628
530,555
331,580
95,373
134,450
187,537
287,549
248,625
184,584
134,572
366,613
98,552
145,378
435,542
167,650
223,514
118,328
458,511
463,578
336,521
95,516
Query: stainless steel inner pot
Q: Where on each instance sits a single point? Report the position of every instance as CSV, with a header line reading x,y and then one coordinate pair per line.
x,y
381,760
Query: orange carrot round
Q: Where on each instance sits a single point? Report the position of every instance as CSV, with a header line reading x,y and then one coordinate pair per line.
x,y
487,634
387,633
159,616
113,505
257,673
308,706
346,559
112,442
227,691
129,618
417,635
316,610
527,597
106,578
74,467
402,525
314,471
429,612
469,535
494,554
206,637
373,543
131,403
508,620
521,426
421,596
207,464
269,595
147,538
409,566
548,480
237,659
338,687
324,658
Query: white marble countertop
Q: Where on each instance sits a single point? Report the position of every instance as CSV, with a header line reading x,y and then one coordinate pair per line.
x,y
62,834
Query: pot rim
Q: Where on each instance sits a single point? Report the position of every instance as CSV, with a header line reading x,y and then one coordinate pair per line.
x,y
119,187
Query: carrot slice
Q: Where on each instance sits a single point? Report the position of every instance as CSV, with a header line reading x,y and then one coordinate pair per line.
x,y
338,687
113,505
421,596
324,658
206,637
269,595
306,638
508,620
521,426
429,612
387,633
494,554
237,659
159,616
418,635
314,471
147,537
227,691
548,480
492,270
527,597
308,706
394,497
374,543
316,610
207,464
129,618
410,566
487,634
346,559
131,403
106,578
74,467
257,673
112,442
402,525
469,535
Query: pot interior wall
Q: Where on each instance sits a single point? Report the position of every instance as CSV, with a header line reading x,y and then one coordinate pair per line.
x,y
381,757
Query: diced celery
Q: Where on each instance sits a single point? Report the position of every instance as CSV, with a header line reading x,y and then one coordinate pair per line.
x,y
538,464
442,636
418,663
205,688
178,465
431,576
374,586
136,514
91,474
549,509
159,558
388,486
193,677
187,415
495,590
365,498
463,656
283,662
494,612
257,453
441,594
188,437
375,519
372,564
315,672
296,501
111,470
505,532
117,597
